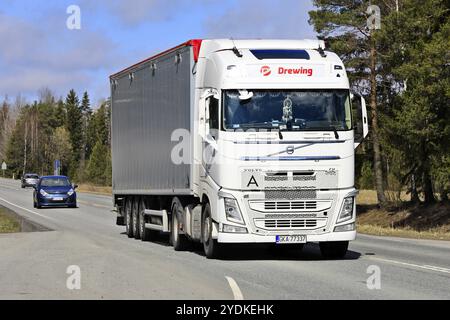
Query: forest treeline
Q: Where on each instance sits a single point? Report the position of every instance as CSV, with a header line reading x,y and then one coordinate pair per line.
x,y
397,55
34,135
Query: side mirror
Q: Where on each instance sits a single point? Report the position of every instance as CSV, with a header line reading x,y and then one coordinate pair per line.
x,y
361,122
75,186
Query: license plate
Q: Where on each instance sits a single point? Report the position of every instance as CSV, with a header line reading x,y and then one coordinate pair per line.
x,y
291,239
57,198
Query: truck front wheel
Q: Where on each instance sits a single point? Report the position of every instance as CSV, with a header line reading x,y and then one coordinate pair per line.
x,y
333,249
210,246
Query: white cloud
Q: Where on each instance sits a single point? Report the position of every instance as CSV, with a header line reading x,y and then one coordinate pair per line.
x,y
35,55
263,19
132,13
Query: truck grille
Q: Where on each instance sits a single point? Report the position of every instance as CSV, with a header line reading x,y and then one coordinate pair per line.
x,y
290,194
290,205
287,223
295,223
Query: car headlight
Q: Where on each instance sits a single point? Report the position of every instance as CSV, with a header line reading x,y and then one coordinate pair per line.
x,y
70,192
347,210
43,193
232,211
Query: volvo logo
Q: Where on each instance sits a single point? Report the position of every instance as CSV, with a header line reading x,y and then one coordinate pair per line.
x,y
290,150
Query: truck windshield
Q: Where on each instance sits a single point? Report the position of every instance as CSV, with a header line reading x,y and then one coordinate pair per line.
x,y
291,110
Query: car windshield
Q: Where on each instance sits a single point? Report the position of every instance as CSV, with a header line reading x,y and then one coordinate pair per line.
x,y
288,110
55,182
31,176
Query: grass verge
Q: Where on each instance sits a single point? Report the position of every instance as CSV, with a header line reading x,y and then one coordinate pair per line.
x,y
90,188
7,223
407,220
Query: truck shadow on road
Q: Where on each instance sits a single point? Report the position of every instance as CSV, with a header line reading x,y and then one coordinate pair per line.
x,y
310,252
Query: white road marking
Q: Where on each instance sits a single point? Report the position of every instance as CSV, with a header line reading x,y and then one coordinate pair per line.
x,y
28,210
426,267
235,288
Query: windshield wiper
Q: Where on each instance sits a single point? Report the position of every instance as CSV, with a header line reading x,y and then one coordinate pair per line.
x,y
280,135
336,134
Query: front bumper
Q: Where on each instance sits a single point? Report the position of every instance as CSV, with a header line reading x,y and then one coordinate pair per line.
x,y
254,238
49,202
264,223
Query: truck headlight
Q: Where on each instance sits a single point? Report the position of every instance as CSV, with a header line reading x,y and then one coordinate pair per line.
x,y
70,192
347,210
43,193
232,211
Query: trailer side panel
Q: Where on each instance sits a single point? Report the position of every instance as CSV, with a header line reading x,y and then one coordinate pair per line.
x,y
148,105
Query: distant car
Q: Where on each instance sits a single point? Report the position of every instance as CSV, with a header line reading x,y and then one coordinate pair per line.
x,y
54,191
29,180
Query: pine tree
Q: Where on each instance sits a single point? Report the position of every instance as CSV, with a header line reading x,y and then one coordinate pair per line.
x,y
417,42
98,164
344,26
74,124
86,117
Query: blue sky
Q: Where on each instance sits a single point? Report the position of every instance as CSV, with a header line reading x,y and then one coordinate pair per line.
x,y
37,50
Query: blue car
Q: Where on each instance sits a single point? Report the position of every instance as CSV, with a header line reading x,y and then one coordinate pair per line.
x,y
54,191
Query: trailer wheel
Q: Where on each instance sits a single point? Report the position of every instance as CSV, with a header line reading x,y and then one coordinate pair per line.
x,y
135,212
211,247
179,241
146,234
334,249
129,216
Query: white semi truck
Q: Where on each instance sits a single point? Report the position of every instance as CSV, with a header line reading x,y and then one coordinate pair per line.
x,y
237,141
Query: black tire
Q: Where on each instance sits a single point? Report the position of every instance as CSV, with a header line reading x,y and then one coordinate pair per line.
x,y
135,212
129,216
146,234
179,241
73,206
334,249
211,247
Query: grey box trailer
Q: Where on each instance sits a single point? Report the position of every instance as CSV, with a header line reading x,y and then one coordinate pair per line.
x,y
149,101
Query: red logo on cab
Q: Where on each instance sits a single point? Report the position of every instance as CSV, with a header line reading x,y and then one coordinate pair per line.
x,y
265,71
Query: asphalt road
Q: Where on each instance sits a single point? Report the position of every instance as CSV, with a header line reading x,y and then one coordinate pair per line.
x,y
34,265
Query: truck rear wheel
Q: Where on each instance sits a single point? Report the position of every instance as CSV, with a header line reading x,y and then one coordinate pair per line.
x,y
179,240
146,234
211,247
135,213
129,216
334,249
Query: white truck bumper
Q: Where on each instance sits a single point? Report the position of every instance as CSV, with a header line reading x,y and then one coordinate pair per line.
x,y
254,238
